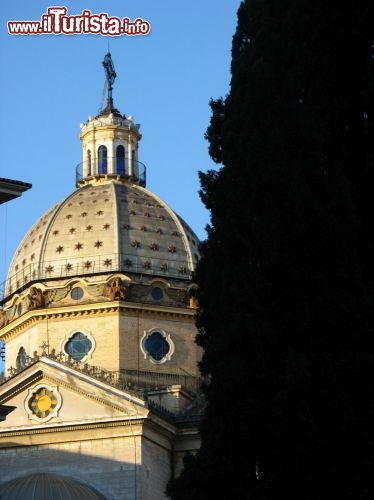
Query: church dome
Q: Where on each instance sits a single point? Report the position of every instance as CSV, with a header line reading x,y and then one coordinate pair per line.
x,y
111,222
47,487
105,226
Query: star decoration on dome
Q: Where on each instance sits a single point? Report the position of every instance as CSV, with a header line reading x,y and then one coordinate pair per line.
x,y
172,248
153,246
135,244
68,266
147,264
59,249
49,269
159,230
106,226
72,230
98,244
88,264
55,232
107,262
89,228
100,212
78,246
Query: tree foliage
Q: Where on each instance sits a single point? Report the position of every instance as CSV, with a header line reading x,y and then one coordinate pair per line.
x,y
286,281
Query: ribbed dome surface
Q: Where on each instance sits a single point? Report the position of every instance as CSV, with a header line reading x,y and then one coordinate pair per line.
x,y
102,227
47,487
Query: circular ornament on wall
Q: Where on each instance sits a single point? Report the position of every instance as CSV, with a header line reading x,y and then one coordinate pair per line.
x,y
43,402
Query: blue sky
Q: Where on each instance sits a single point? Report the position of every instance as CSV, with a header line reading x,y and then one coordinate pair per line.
x,y
52,83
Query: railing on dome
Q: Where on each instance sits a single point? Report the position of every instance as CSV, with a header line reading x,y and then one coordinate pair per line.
x,y
108,263
123,166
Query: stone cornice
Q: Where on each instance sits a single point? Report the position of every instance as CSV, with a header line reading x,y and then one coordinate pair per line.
x,y
74,311
61,427
34,377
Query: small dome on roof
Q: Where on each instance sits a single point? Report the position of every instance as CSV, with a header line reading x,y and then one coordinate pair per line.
x,y
47,487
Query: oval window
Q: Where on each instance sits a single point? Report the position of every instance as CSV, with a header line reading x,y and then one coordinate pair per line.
x,y
76,293
157,293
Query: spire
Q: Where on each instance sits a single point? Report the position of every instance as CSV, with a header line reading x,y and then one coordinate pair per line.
x,y
110,76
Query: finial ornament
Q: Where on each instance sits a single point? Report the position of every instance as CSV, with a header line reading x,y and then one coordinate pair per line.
x,y
109,72
110,75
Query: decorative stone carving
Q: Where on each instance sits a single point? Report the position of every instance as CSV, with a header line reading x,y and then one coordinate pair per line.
x,y
36,298
4,320
192,294
116,290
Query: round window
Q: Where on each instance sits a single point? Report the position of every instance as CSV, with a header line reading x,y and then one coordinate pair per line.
x,y
43,402
78,346
76,293
156,346
157,293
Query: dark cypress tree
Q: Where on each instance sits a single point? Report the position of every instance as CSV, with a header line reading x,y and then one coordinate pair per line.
x,y
286,281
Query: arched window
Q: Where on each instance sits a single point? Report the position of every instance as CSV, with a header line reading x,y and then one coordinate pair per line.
x,y
103,160
120,160
89,171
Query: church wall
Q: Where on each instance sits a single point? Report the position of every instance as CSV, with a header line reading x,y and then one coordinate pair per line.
x,y
155,471
30,340
112,466
182,333
102,329
116,338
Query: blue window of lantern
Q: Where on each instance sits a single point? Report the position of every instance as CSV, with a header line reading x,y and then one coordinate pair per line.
x,y
156,346
133,163
89,171
103,160
120,160
78,346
